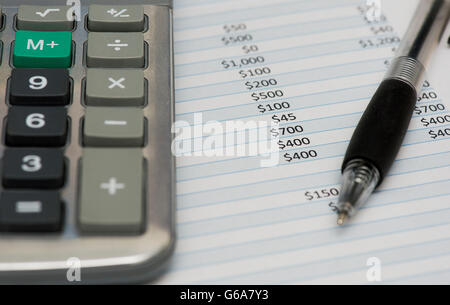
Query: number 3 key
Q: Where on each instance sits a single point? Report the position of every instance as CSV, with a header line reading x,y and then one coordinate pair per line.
x,y
33,168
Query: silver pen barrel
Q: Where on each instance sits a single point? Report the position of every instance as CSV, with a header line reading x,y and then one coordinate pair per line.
x,y
422,37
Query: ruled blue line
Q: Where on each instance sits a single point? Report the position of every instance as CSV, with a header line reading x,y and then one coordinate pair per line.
x,y
249,17
283,163
407,278
297,24
393,263
180,255
278,87
291,97
245,157
293,83
348,227
315,187
310,120
285,60
280,179
255,41
327,261
319,201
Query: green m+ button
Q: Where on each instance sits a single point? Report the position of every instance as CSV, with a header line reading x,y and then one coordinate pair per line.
x,y
34,49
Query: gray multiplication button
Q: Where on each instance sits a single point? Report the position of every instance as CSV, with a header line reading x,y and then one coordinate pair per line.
x,y
115,50
115,87
112,196
112,127
45,18
116,18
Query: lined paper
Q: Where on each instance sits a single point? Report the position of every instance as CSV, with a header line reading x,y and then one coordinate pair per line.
x,y
240,223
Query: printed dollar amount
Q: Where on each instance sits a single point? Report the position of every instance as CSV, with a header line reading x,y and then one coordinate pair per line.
x,y
255,72
267,95
289,130
321,194
431,95
273,107
229,28
294,143
440,133
230,40
258,84
379,42
288,117
436,120
424,109
299,156
248,61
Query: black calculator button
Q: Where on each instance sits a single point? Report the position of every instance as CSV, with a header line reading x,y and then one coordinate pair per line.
x,y
33,168
30,211
36,126
39,87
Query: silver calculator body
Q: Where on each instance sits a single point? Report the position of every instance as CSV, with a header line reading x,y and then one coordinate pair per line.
x,y
70,256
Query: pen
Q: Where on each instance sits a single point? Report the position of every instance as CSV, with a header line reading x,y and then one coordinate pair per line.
x,y
378,137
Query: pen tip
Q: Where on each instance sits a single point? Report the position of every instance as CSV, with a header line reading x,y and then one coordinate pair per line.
x,y
342,217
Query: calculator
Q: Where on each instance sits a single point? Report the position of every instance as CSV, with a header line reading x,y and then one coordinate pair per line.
x,y
87,172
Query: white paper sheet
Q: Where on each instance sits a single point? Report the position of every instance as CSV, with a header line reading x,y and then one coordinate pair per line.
x,y
240,223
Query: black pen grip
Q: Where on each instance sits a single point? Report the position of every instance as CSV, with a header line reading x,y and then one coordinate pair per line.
x,y
382,128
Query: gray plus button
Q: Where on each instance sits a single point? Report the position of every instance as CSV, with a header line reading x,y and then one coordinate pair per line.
x,y
112,186
111,199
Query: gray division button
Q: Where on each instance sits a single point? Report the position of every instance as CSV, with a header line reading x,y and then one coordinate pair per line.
x,y
115,50
44,18
116,18
112,195
115,87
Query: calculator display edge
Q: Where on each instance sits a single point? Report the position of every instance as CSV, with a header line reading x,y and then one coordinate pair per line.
x,y
15,3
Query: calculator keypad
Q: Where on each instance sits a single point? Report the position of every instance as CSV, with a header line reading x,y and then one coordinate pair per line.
x,y
113,126
113,93
85,149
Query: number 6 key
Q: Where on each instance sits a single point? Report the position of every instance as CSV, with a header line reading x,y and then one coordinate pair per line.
x,y
36,126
